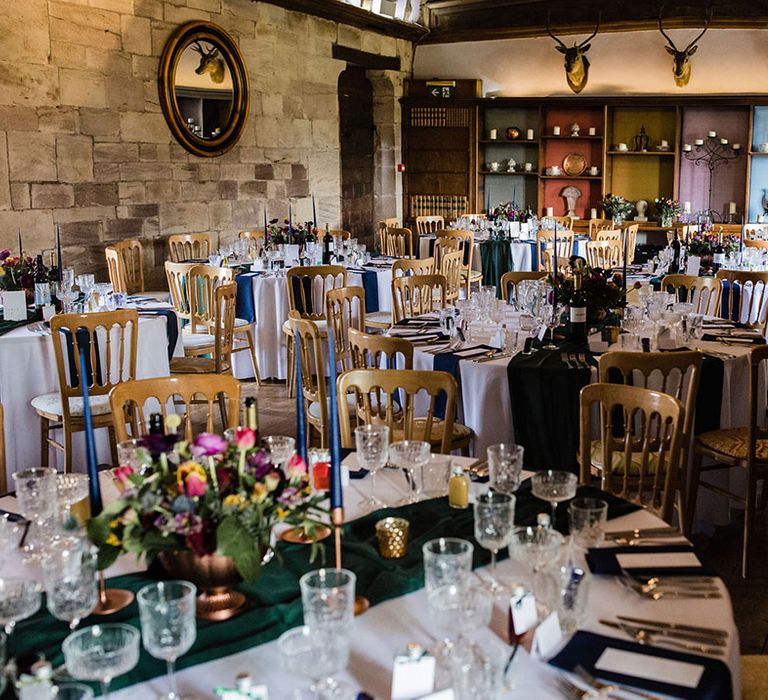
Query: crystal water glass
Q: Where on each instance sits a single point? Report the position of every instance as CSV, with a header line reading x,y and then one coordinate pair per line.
x,y
11,532
70,489
66,294
133,453
494,520
477,670
535,547
72,691
372,451
70,576
410,455
101,653
36,493
328,599
572,585
555,487
435,475
313,655
586,519
505,466
281,448
168,627
19,599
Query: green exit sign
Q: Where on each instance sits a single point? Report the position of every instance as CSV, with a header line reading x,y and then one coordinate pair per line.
x,y
443,89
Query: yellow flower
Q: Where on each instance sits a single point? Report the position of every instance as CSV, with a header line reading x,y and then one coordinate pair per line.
x,y
282,513
113,540
234,500
259,492
191,478
172,421
113,524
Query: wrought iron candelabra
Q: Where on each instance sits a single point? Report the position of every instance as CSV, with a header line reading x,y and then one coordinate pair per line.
x,y
711,152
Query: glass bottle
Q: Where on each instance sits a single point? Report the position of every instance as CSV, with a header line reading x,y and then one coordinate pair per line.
x,y
42,285
327,245
578,310
458,488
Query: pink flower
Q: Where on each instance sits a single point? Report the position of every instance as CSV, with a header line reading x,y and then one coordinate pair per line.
x,y
122,474
245,438
194,485
297,467
208,444
272,480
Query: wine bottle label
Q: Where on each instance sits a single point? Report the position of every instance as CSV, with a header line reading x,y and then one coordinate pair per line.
x,y
578,314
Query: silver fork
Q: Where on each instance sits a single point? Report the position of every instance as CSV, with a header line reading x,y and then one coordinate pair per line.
x,y
604,689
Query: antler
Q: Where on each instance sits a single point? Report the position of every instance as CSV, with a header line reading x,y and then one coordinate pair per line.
x,y
197,46
661,28
594,34
693,43
549,30
703,32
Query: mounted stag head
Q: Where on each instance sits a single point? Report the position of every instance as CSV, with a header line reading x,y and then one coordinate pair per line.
x,y
210,62
681,64
576,61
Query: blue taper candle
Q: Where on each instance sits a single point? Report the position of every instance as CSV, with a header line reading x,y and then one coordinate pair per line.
x,y
554,254
265,222
21,249
741,238
624,265
290,223
59,258
94,488
337,499
301,426
314,212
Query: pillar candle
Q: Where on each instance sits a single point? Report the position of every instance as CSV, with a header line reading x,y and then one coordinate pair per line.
x,y
593,213
265,224
687,147
337,498
290,225
624,263
592,131
741,238
556,131
687,207
731,207
554,254
94,488
724,142
550,211
529,134
301,426
712,134
736,146
664,143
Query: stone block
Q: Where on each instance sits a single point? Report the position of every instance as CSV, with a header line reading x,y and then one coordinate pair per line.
x,y
247,214
65,54
251,154
145,171
82,89
267,131
20,195
58,119
52,196
163,191
31,156
227,189
131,192
74,158
144,67
148,8
17,118
297,188
179,15
207,5
138,211
209,171
120,229
25,31
65,30
220,215
276,190
88,194
81,232
255,189
155,151
144,127
137,34
264,171
115,153
299,171
272,104
282,171
325,133
198,191
5,184
83,16
237,171
36,225
121,6
125,93
99,122
84,214
183,217
28,84
184,171
106,172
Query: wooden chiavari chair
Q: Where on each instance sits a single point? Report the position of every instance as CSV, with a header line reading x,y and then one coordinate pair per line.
x,y
565,222
513,279
309,345
596,225
110,341
429,224
3,475
185,247
630,231
382,230
398,242
545,242
469,275
450,268
377,351
743,448
341,233
417,266
756,243
125,266
417,295
750,305
609,234
177,275
703,292
344,311
604,254
128,400
648,435
443,246
388,396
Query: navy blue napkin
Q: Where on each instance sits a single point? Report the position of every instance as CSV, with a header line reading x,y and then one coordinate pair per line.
x,y
371,287
603,561
730,308
585,648
244,300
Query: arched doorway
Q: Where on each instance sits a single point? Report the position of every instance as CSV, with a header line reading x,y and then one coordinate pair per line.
x,y
356,139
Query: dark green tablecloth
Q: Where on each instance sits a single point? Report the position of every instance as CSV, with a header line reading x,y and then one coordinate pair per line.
x,y
496,257
8,326
275,601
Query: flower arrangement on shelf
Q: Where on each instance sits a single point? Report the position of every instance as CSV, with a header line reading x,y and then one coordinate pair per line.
x,y
278,233
603,291
616,207
208,496
506,211
704,244
16,272
667,209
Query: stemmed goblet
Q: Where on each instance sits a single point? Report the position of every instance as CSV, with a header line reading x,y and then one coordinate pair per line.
x,y
555,487
102,652
19,599
281,447
372,444
535,547
505,466
168,627
410,455
494,520
70,489
36,493
69,573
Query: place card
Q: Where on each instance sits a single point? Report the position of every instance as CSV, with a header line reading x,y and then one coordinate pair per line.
x,y
15,306
657,560
522,605
49,311
654,668
440,695
412,676
547,636
693,266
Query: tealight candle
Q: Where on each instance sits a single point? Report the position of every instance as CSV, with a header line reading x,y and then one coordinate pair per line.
x,y
556,131
712,134
687,207
724,142
687,147
699,142
736,146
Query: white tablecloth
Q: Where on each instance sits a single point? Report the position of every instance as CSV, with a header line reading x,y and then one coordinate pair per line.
x,y
28,369
386,629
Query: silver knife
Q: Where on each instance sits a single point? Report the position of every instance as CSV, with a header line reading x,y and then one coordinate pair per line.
x,y
671,634
640,532
675,626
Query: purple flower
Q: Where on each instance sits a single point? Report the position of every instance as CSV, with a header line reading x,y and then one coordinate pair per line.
x,y
163,524
188,524
208,444
259,464
289,496
157,444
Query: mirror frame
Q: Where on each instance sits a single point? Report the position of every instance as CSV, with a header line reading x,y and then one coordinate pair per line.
x,y
174,47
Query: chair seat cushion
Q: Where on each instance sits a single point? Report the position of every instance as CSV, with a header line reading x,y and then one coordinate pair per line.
x,y
322,326
198,340
314,407
193,365
459,433
473,275
240,322
379,319
618,460
51,403
733,442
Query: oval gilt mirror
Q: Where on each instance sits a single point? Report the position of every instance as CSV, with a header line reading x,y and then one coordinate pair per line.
x,y
203,88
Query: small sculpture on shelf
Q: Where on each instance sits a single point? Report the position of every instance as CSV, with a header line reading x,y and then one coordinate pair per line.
x,y
641,206
511,165
641,140
571,195
575,129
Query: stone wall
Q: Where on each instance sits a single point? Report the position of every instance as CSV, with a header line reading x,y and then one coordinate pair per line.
x,y
83,142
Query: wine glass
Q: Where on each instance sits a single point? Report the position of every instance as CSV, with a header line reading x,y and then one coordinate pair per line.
x,y
477,670
36,493
101,652
19,599
554,486
66,294
70,489
69,573
313,655
505,465
551,317
494,520
168,628
410,455
11,532
586,521
535,547
281,447
372,443
73,691
328,599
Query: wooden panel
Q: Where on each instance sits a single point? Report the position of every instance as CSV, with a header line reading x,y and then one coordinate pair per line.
x,y
626,123
642,178
438,139
423,161
437,183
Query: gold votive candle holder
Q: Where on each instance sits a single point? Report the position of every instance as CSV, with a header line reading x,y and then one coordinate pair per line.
x,y
392,534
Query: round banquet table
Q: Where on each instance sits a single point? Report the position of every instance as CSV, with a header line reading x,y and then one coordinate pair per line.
x,y
28,369
385,629
271,307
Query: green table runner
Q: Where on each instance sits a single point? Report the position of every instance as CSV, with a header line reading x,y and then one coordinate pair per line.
x,y
275,601
496,258
8,326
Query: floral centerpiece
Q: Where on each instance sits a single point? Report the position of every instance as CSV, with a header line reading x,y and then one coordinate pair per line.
x,y
704,244
667,209
16,272
209,496
603,290
280,233
616,207
506,212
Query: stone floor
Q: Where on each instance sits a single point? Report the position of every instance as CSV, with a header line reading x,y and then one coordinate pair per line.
x,y
722,551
